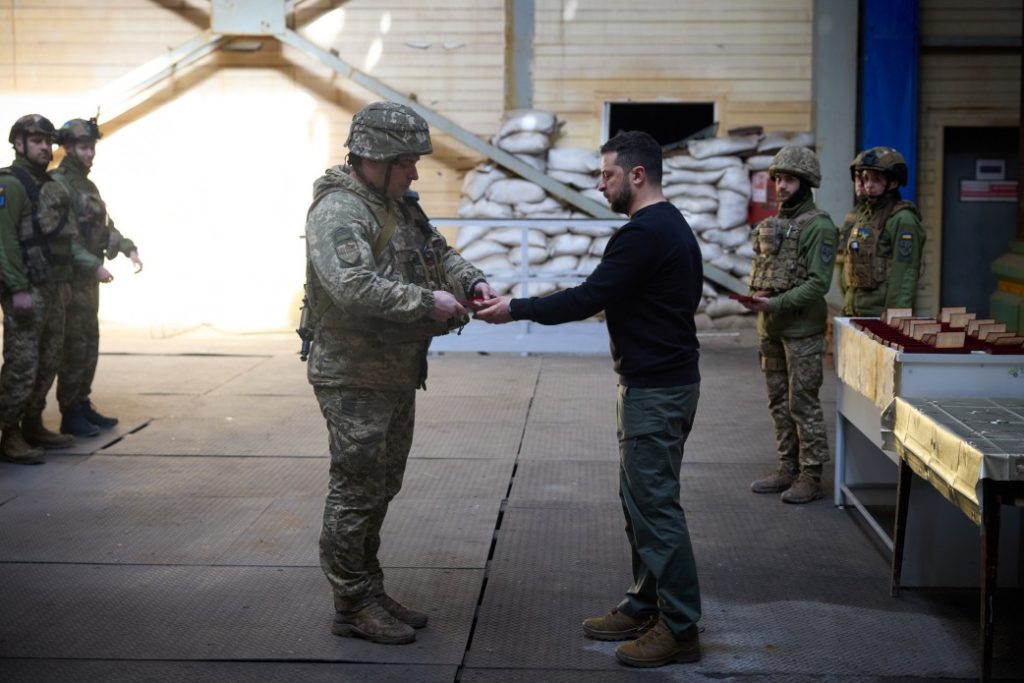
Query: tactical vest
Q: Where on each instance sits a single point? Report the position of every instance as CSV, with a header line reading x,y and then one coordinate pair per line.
x,y
414,257
777,266
50,210
866,267
844,234
91,211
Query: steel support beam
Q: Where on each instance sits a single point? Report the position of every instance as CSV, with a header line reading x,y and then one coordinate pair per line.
x,y
120,95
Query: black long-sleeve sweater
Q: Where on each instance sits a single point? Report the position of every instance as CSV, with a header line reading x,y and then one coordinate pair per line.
x,y
649,284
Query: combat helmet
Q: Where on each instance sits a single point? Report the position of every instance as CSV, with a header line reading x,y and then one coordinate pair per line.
x,y
855,164
78,129
383,131
884,159
32,124
797,161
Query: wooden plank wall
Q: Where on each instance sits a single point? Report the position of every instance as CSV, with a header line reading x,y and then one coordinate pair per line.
x,y
959,89
752,59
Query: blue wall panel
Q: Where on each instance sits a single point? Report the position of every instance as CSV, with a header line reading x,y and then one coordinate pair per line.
x,y
890,48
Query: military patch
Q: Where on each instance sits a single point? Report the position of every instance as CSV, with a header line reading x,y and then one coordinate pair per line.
x,y
864,232
3,197
348,252
906,246
828,253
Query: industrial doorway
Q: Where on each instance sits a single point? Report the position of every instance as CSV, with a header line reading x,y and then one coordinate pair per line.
x,y
979,212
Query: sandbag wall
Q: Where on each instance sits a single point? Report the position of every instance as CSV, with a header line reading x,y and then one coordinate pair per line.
x,y
710,183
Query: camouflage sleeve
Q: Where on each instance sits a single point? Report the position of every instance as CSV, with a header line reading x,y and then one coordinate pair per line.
x,y
817,248
83,261
117,242
340,233
12,268
907,235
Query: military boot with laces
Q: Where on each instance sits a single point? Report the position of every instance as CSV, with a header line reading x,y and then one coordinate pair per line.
x,y
617,625
14,448
779,481
94,416
401,612
372,623
658,647
805,489
36,434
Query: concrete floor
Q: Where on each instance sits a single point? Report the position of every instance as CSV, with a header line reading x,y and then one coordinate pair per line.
x,y
182,545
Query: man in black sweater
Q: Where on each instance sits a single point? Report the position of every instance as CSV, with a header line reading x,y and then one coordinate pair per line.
x,y
648,284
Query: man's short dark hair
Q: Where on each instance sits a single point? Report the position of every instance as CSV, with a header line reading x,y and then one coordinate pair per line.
x,y
636,148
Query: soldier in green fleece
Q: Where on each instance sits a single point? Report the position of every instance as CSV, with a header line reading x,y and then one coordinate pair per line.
x,y
794,255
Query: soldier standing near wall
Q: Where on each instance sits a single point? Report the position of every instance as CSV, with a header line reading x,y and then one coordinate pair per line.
x,y
36,230
792,271
381,282
98,238
882,253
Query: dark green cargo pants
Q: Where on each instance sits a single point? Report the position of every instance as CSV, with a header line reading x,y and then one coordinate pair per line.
x,y
652,428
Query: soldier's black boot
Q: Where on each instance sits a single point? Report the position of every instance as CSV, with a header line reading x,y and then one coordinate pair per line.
x,y
36,434
91,414
75,423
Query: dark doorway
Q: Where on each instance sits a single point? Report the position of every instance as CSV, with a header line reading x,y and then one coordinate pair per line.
x,y
667,122
979,217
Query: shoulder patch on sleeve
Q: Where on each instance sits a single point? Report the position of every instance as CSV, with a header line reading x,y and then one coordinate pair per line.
x,y
828,252
3,196
905,248
348,252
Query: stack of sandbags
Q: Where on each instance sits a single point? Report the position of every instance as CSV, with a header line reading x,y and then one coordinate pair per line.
x,y
710,185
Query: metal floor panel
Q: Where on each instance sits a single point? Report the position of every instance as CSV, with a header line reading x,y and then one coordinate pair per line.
x,y
92,671
223,477
461,439
827,626
497,408
171,374
111,527
277,376
217,613
452,534
540,483
570,441
88,445
682,673
592,409
438,479
243,435
455,375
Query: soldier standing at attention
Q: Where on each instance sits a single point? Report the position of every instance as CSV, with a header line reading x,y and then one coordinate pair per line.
x,y
382,282
98,238
649,284
882,253
36,230
794,253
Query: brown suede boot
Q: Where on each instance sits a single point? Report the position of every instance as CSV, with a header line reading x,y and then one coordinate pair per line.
x,y
13,448
401,612
806,488
373,623
658,647
617,626
36,434
781,480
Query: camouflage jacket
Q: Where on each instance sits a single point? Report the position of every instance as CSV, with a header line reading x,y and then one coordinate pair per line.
x,y
375,328
50,252
96,232
801,311
888,238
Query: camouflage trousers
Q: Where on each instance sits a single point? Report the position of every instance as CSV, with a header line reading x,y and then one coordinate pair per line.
x,y
792,370
81,344
33,344
370,437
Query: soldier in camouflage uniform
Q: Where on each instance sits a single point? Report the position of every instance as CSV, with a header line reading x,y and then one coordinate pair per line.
x,y
381,282
792,272
36,231
98,238
882,253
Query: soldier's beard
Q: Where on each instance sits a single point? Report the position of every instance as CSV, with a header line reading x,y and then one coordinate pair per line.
x,y
622,202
